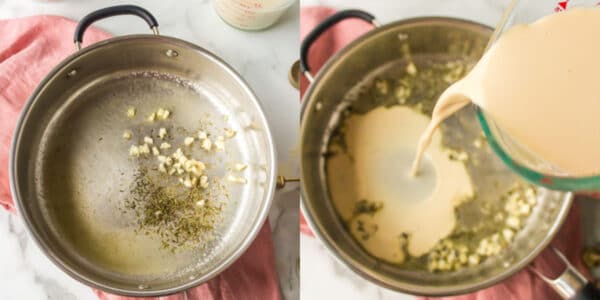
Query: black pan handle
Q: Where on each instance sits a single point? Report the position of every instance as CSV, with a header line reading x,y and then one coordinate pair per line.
x,y
588,292
571,284
322,27
110,12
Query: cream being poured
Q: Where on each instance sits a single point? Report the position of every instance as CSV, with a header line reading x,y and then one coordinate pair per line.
x,y
539,83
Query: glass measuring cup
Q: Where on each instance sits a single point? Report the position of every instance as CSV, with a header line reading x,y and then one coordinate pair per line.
x,y
251,14
519,159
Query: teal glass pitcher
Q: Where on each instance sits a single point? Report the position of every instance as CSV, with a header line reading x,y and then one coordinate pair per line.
x,y
518,158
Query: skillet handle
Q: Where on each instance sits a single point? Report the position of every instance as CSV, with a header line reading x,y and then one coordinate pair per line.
x,y
571,284
109,12
588,292
322,27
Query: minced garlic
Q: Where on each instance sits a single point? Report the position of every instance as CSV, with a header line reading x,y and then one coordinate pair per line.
x,y
127,135
165,145
236,179
188,141
206,144
131,112
162,133
240,167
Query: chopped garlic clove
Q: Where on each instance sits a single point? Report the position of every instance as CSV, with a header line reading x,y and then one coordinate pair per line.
x,y
220,143
144,149
473,259
162,133
148,140
178,154
236,179
202,135
155,151
134,151
161,158
152,117
513,222
206,144
195,167
229,133
187,182
194,170
127,134
240,167
162,168
508,234
162,113
188,140
200,203
203,181
131,112
165,145
188,164
524,209
411,69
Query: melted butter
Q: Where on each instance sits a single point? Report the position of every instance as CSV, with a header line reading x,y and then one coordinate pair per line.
x,y
375,167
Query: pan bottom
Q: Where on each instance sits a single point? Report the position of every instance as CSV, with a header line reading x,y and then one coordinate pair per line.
x,y
86,173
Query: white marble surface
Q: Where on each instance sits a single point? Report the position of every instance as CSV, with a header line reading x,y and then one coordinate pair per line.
x,y
323,277
263,59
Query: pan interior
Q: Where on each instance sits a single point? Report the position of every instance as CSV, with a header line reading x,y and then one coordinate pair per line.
x,y
491,179
347,80
83,173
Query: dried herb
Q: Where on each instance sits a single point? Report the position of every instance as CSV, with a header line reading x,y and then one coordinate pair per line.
x,y
365,231
179,216
366,207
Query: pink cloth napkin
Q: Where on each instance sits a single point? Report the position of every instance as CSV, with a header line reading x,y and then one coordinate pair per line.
x,y
523,285
30,48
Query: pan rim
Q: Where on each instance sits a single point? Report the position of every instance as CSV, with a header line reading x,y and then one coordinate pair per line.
x,y
256,225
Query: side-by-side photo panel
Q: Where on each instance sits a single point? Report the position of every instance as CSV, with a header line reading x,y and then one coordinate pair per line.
x,y
149,150
299,149
448,150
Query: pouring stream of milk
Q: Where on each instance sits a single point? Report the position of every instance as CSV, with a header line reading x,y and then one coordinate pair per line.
x,y
539,83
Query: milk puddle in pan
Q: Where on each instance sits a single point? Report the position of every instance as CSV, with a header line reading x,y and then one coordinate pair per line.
x,y
464,207
384,200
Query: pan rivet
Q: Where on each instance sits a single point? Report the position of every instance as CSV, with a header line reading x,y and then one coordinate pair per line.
x,y
72,73
171,53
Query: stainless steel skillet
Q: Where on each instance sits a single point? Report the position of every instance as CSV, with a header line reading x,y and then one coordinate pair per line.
x,y
378,54
69,163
